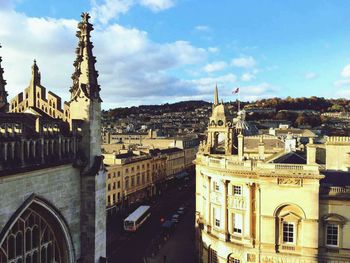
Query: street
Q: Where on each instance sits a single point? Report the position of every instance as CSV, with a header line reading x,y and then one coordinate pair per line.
x,y
124,247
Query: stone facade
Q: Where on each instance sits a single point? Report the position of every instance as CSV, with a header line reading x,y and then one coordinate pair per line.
x,y
283,208
132,178
52,178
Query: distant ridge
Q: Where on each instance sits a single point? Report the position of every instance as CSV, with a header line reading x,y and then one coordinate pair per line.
x,y
319,104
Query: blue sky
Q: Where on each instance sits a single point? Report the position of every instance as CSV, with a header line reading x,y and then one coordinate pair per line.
x,y
158,51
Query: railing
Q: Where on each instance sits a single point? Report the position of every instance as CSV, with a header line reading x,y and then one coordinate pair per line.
x,y
288,167
236,202
339,190
338,139
233,163
288,248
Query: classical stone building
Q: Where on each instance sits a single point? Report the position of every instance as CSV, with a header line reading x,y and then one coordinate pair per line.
x,y
52,178
285,207
132,178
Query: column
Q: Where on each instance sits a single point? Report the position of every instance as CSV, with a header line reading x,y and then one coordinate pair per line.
x,y
13,150
47,147
52,144
34,148
28,149
42,142
224,211
208,219
22,152
5,151
63,146
59,147
248,212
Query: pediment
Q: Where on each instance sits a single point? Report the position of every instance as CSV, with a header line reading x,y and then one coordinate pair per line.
x,y
290,217
334,218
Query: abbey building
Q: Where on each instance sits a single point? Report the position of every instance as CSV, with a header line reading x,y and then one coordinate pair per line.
x,y
52,178
259,201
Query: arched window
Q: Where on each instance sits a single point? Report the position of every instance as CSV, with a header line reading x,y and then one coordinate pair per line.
x,y
35,236
289,220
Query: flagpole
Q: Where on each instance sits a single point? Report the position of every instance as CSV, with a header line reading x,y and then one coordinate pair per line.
x,y
236,91
239,105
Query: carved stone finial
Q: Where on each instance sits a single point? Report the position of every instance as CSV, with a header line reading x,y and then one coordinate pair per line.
x,y
85,16
85,81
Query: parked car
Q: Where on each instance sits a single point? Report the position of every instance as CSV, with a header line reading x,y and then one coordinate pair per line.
x,y
175,218
181,210
168,227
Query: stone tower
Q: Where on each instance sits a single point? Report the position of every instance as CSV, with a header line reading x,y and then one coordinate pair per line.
x,y
220,132
85,105
3,93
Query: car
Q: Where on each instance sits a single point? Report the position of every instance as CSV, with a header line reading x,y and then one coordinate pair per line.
x,y
181,210
168,227
175,218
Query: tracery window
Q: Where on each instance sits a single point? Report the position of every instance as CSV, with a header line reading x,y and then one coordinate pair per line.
x,y
31,240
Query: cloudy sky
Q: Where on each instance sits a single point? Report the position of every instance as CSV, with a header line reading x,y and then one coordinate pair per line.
x,y
158,51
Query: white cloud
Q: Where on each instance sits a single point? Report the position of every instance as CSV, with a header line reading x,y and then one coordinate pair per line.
x,y
206,85
213,49
247,77
131,66
202,28
310,75
343,93
215,66
342,82
254,92
346,71
157,5
244,62
104,12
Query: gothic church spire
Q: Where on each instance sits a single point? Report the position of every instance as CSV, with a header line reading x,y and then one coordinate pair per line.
x,y
85,75
3,93
216,96
36,76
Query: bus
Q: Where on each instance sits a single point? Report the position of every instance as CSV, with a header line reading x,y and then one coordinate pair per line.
x,y
137,218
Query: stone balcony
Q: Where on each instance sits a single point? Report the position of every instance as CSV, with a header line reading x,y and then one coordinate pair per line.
x,y
232,163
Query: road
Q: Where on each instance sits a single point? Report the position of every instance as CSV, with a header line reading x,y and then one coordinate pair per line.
x,y
123,247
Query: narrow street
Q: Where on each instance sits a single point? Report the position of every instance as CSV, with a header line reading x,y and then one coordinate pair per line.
x,y
124,247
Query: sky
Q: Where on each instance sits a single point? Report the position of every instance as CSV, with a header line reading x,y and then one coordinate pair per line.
x,y
163,51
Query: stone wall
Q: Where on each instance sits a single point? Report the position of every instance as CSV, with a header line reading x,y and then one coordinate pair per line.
x,y
59,185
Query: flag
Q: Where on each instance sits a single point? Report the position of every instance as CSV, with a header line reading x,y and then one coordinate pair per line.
x,y
236,91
